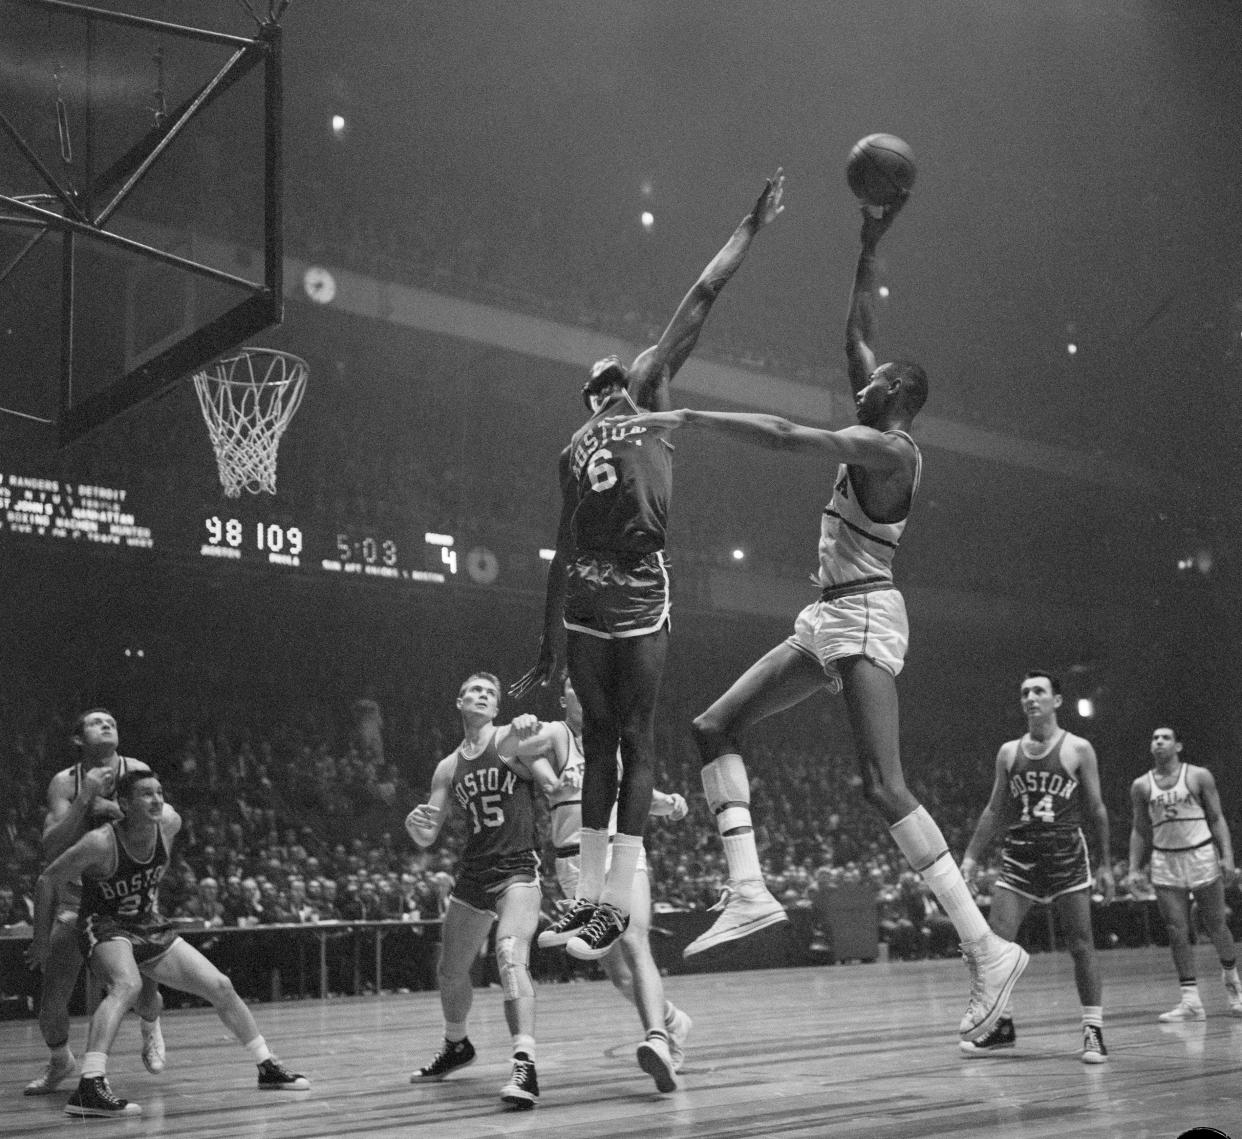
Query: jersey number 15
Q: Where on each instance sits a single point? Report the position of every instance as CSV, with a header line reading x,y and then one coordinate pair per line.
x,y
486,812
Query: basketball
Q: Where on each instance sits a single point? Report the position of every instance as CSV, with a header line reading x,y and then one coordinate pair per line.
x,y
880,169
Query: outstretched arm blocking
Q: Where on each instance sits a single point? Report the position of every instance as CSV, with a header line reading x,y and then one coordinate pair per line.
x,y
654,369
859,446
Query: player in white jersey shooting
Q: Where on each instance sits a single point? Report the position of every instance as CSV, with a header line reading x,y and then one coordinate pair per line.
x,y
852,640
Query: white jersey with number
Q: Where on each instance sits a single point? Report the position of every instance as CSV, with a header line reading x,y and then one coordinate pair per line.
x,y
1177,818
854,550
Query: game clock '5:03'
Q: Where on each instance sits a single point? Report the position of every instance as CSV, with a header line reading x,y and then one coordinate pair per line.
x,y
380,554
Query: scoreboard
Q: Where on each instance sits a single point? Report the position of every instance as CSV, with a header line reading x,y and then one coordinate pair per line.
x,y
252,531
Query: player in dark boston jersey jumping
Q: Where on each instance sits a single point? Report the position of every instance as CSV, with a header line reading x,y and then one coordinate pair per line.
x,y
608,585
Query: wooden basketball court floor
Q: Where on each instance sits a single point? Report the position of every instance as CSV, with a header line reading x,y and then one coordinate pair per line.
x,y
847,1050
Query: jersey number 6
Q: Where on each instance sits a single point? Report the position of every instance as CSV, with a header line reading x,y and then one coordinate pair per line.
x,y
601,473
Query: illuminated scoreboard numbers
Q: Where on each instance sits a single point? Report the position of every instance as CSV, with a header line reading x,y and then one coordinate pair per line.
x,y
223,534
365,554
235,540
282,544
376,554
441,554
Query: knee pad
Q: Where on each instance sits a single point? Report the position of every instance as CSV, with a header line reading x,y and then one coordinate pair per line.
x,y
727,788
513,964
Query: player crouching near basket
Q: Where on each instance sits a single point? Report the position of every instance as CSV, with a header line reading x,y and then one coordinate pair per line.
x,y
123,938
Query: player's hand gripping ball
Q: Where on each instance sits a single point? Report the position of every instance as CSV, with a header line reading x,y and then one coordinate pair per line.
x,y
880,170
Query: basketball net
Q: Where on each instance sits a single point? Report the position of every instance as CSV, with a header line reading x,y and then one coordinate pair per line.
x,y
247,401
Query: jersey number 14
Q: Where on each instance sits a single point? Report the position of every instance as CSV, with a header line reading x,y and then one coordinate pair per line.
x,y
1044,810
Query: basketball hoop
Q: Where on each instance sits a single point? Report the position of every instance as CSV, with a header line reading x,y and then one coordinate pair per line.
x,y
248,400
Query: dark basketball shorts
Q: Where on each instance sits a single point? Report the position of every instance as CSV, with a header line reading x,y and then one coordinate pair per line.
x,y
1044,866
613,595
482,888
150,940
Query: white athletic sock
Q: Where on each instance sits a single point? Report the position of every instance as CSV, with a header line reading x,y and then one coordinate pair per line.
x,y
454,1030
593,863
946,881
1093,1015
927,852
1190,992
94,1064
258,1049
626,849
1230,976
742,855
522,1042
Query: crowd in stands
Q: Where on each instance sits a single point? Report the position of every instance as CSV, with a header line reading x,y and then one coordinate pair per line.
x,y
285,823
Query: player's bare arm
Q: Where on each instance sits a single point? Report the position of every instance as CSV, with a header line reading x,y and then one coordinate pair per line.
x,y
994,815
1202,783
858,446
544,738
860,321
1087,769
550,641
68,815
524,744
93,852
538,770
654,369
543,751
1140,830
424,822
